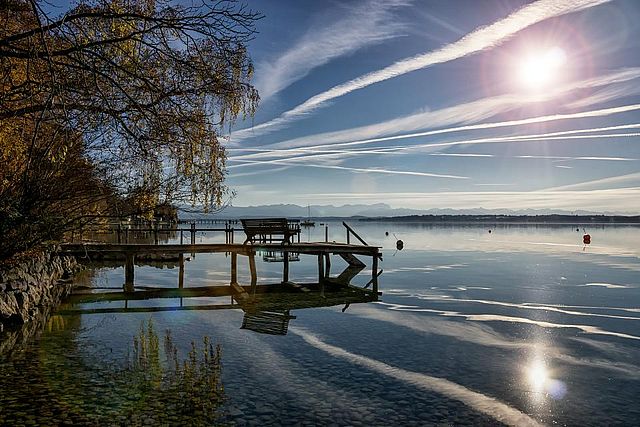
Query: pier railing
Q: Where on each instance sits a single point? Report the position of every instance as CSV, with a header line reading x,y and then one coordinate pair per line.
x,y
350,231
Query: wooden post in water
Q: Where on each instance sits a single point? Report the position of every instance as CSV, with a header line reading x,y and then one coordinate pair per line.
x,y
234,267
374,269
181,272
320,268
128,272
252,267
193,233
327,261
285,271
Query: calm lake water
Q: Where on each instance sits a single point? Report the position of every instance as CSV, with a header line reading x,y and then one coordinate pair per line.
x,y
521,326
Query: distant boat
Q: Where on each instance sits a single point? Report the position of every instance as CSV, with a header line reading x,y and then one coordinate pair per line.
x,y
307,222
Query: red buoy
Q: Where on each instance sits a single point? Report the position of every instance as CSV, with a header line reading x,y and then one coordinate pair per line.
x,y
586,239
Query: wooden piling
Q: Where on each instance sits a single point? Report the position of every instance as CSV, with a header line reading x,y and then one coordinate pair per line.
x,y
234,267
327,262
285,269
374,272
129,272
252,267
181,272
320,268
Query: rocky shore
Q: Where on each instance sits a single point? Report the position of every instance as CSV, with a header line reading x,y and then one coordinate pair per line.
x,y
30,284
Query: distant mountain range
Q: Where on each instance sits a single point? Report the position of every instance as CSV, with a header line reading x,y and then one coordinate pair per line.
x,y
362,210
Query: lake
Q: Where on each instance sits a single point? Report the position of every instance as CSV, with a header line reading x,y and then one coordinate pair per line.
x,y
523,325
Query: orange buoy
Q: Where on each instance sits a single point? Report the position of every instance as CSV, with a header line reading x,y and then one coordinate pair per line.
x,y
586,239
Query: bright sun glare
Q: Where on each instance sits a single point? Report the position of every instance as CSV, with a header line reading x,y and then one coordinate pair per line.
x,y
537,376
541,69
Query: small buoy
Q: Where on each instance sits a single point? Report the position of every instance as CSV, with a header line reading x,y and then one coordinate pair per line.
x,y
399,245
386,233
577,229
489,231
586,239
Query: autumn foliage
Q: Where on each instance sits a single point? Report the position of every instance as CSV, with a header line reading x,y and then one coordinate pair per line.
x,y
115,100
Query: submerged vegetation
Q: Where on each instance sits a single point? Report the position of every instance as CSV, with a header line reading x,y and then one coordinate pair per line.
x,y
153,384
181,393
115,107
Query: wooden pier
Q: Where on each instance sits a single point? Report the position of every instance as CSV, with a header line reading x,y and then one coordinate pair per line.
x,y
322,250
266,306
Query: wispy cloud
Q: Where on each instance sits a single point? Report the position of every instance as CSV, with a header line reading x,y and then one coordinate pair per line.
x,y
564,158
615,91
299,156
365,24
359,170
466,113
476,41
469,112
599,183
605,200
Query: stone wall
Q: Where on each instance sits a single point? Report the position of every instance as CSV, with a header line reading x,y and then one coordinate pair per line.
x,y
30,284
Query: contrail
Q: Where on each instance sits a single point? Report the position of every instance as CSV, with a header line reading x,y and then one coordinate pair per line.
x,y
468,113
365,170
306,155
476,41
262,152
477,401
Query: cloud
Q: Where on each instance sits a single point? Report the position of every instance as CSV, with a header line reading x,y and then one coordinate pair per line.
x,y
361,170
366,24
598,183
307,155
607,94
470,112
480,39
622,200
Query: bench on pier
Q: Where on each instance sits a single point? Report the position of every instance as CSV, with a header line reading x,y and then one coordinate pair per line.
x,y
264,229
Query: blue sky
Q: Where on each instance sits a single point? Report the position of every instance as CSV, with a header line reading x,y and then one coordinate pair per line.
x,y
444,104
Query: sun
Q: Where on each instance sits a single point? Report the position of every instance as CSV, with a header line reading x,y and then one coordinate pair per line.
x,y
541,69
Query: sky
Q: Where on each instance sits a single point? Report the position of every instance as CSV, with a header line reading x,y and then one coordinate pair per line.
x,y
499,104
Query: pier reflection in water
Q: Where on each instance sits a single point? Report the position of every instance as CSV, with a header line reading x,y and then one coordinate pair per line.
x,y
149,382
521,326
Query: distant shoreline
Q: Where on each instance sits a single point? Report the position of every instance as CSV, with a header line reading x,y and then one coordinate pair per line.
x,y
510,219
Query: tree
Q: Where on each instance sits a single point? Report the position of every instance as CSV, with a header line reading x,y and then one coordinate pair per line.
x,y
117,99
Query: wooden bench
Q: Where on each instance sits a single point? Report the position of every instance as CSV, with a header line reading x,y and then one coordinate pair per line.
x,y
263,229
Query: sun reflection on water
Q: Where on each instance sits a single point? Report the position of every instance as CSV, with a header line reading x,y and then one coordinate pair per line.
x,y
542,384
538,375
